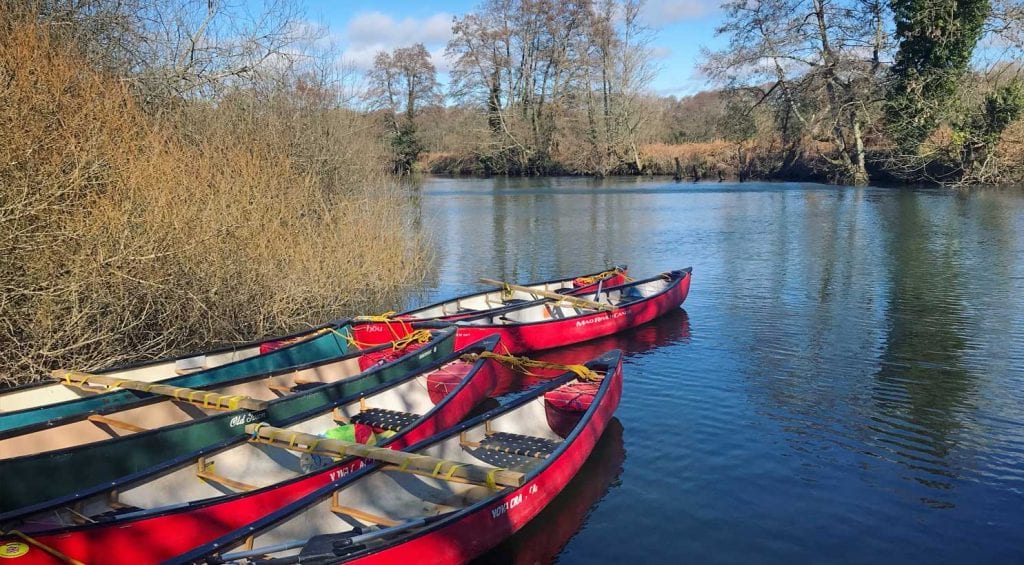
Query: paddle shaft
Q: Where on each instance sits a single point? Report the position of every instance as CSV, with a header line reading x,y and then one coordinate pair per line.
x,y
193,396
411,462
573,300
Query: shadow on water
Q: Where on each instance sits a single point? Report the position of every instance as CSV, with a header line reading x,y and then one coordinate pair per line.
x,y
541,540
852,386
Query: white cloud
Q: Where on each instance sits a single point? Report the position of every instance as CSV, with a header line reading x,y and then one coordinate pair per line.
x,y
370,32
661,52
659,13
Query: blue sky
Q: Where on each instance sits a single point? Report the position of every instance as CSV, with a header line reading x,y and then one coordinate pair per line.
x,y
680,28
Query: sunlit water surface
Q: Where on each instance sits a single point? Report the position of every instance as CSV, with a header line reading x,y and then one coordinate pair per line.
x,y
844,384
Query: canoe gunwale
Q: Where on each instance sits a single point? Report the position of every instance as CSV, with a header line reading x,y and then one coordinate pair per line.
x,y
145,399
410,314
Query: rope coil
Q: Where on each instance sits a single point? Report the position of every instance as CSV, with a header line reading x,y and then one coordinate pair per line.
x,y
400,343
523,364
603,275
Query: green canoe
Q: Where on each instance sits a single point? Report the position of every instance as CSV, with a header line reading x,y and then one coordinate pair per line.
x,y
34,483
325,343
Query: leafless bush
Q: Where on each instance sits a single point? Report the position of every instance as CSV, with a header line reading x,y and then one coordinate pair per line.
x,y
123,236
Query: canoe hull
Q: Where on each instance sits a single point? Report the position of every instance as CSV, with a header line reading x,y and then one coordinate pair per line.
x,y
519,338
522,338
327,345
41,393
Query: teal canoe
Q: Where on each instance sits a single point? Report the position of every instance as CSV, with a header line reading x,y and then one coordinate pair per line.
x,y
42,393
325,343
34,483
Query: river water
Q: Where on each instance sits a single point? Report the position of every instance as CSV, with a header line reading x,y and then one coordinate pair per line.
x,y
845,382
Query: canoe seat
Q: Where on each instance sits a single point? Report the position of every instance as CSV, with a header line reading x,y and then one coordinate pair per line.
x,y
515,444
630,295
383,419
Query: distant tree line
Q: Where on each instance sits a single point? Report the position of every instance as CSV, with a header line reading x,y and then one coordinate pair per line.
x,y
544,87
844,90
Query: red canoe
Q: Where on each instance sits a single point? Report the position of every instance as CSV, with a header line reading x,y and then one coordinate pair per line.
x,y
412,518
141,537
394,326
547,535
543,324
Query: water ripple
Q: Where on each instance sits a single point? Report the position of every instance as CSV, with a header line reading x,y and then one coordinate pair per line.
x,y
849,386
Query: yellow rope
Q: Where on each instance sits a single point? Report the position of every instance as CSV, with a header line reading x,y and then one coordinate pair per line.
x,y
506,291
46,548
387,318
417,336
525,363
601,276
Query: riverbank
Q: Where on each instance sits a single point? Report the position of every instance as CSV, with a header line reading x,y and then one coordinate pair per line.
x,y
769,159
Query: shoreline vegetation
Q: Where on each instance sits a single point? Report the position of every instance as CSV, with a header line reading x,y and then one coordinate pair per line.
x,y
181,174
140,219
844,92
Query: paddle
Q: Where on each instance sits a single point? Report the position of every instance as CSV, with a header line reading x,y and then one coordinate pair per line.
x,y
102,383
573,300
495,478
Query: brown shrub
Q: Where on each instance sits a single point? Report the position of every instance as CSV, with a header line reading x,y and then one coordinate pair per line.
x,y
1010,153
714,159
122,237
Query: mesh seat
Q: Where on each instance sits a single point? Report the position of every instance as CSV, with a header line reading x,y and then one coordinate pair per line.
x,y
515,444
383,419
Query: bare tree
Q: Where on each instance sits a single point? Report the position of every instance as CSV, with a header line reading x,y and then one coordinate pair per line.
x,y
621,70
182,48
818,59
521,59
403,81
400,83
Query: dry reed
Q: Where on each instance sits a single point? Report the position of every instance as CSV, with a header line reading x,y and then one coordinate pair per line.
x,y
124,237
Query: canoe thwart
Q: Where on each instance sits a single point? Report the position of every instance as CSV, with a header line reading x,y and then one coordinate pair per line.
x,y
205,470
113,423
360,515
411,462
205,399
572,300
